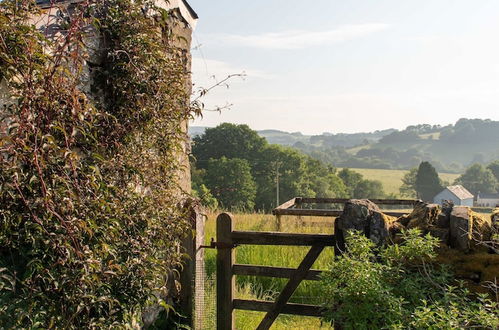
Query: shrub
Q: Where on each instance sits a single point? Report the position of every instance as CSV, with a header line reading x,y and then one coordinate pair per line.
x,y
89,222
397,287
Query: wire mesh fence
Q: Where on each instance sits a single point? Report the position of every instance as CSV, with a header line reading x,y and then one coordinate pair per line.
x,y
205,300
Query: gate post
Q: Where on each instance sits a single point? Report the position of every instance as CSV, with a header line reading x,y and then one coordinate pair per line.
x,y
225,278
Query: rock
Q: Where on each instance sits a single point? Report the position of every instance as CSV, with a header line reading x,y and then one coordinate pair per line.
x,y
469,230
423,216
443,220
495,217
481,231
441,233
460,228
365,216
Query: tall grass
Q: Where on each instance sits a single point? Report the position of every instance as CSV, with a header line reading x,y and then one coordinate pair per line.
x,y
264,288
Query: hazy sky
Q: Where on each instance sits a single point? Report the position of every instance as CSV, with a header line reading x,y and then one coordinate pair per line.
x,y
348,65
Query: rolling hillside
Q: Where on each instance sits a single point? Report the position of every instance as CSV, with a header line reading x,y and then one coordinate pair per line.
x,y
450,148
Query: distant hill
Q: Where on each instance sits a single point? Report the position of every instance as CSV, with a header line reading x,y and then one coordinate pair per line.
x,y
274,136
449,148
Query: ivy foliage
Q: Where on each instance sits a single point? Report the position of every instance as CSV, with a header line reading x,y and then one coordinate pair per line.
x,y
89,221
398,287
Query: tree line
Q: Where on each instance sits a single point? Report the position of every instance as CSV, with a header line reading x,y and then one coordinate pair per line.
x,y
233,167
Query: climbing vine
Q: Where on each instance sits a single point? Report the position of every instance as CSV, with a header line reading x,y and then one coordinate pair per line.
x,y
89,163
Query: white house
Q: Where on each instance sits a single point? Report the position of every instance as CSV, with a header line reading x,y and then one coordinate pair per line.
x,y
456,194
487,200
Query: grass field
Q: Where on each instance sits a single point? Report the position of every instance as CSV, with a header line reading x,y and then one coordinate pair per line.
x,y
249,287
392,179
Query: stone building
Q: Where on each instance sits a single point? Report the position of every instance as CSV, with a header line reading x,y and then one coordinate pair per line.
x,y
182,20
487,200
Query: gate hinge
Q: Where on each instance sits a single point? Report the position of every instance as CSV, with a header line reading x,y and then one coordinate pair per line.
x,y
218,245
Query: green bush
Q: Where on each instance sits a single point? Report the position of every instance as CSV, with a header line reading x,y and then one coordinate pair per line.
x,y
89,221
397,287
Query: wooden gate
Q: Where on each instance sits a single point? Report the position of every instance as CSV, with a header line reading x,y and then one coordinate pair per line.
x,y
228,239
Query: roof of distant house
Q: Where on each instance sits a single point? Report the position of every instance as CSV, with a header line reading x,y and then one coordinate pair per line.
x,y
487,196
460,192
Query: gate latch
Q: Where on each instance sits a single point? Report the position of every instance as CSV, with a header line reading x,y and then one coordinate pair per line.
x,y
218,245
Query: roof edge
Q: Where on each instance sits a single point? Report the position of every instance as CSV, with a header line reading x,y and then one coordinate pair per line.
x,y
191,11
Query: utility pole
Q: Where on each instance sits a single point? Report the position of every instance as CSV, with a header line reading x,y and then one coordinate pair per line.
x,y
277,164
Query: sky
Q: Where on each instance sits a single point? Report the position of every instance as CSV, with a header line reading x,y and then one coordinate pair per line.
x,y
343,66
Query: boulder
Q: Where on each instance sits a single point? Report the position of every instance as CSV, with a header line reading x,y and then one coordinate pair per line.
x,y
423,216
460,228
469,230
481,231
441,233
364,216
494,218
443,220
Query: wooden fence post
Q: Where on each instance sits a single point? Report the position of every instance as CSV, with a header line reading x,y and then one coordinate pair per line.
x,y
192,276
225,278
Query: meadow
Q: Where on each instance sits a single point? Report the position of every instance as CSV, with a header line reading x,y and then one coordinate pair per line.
x,y
392,179
250,287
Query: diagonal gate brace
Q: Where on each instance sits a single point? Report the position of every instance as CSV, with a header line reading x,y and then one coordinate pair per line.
x,y
299,275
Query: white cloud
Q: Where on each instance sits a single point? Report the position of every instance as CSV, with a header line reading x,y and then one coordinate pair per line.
x,y
207,71
297,39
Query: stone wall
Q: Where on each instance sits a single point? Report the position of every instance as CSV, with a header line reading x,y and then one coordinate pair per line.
x,y
467,241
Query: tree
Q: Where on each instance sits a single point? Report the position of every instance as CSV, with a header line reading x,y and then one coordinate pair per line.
x,y
231,183
323,181
287,163
408,187
351,179
477,178
357,187
494,168
369,189
427,184
200,190
227,140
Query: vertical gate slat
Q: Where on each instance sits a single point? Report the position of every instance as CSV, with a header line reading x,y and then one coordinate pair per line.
x,y
225,278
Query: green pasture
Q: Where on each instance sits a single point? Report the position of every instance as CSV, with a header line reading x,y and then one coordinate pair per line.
x,y
392,179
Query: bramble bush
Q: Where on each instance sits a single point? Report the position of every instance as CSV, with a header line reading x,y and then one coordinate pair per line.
x,y
397,287
89,219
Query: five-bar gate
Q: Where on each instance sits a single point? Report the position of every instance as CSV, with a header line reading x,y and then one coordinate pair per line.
x,y
228,239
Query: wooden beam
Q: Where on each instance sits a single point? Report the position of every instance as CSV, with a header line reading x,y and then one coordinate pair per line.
x,y
266,306
275,238
308,212
287,205
396,214
290,287
279,272
344,200
324,213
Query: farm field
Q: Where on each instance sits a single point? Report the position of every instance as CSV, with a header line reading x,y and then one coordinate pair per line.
x,y
249,287
392,179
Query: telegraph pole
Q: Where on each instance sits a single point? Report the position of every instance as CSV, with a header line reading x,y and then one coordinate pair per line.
x,y
277,164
